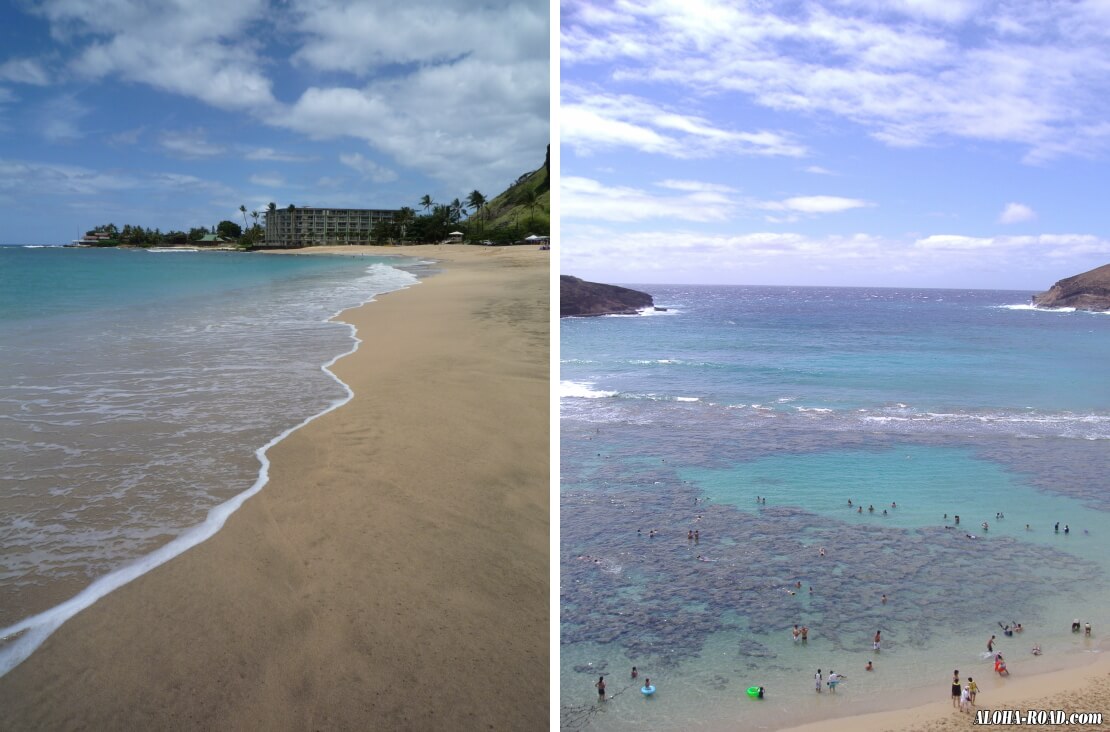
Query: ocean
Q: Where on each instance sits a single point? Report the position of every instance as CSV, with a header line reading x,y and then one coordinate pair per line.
x,y
752,415
139,391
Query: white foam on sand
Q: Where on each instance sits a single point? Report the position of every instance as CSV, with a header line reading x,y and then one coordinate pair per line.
x,y
22,638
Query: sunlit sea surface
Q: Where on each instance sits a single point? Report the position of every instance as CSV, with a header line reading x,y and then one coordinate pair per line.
x,y
752,415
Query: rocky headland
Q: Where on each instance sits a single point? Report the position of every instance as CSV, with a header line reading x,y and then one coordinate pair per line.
x,y
578,297
1087,291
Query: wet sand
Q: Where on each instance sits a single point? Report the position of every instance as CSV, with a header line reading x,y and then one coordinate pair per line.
x,y
1078,688
393,574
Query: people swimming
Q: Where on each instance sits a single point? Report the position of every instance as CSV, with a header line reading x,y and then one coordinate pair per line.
x,y
871,509
869,667
1075,625
1036,649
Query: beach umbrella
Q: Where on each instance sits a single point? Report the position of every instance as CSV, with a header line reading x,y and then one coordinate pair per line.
x,y
531,237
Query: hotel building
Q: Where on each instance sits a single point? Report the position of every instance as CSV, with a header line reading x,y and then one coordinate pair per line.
x,y
301,227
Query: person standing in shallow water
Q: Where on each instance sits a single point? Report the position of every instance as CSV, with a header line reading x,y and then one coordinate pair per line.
x,y
817,681
600,688
956,690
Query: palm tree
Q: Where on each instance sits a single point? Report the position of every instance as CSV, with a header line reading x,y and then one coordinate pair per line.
x,y
531,200
404,219
475,200
426,202
243,209
457,210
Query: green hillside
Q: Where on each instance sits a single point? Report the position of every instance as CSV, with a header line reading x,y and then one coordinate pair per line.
x,y
511,216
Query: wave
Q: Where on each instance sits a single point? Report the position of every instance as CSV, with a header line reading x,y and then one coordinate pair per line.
x,y
22,638
1036,308
894,419
580,390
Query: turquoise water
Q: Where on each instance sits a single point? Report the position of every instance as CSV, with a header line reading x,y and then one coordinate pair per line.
x,y
138,386
941,402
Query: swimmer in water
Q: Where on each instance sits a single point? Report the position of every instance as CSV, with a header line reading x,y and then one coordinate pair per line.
x,y
868,667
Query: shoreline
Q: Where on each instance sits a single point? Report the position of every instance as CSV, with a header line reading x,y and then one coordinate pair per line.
x,y
1081,685
32,631
394,571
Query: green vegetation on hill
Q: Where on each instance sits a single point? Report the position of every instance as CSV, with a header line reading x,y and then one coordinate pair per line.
x,y
523,209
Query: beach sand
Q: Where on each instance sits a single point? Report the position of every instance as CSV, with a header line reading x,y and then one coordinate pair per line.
x,y
394,572
1078,688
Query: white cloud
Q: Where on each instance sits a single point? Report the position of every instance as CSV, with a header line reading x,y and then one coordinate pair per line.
x,y
949,72
268,180
815,204
584,198
24,71
271,155
23,177
60,119
126,137
1054,245
676,255
440,87
360,37
368,168
696,186
199,49
472,123
189,143
1015,213
818,170
597,121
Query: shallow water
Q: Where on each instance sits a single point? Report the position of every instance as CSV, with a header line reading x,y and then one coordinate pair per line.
x,y
940,402
137,387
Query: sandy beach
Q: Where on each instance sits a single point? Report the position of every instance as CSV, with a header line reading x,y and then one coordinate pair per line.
x,y
393,574
1084,686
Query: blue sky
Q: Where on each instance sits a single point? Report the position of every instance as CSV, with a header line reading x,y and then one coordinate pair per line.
x,y
929,143
172,115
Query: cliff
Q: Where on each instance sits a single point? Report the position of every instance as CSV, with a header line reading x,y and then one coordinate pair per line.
x,y
578,297
1087,291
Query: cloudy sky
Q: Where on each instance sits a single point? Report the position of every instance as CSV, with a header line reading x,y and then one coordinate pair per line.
x,y
933,143
173,114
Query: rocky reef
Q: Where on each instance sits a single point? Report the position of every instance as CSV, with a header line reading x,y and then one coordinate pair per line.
x,y
1087,291
578,297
